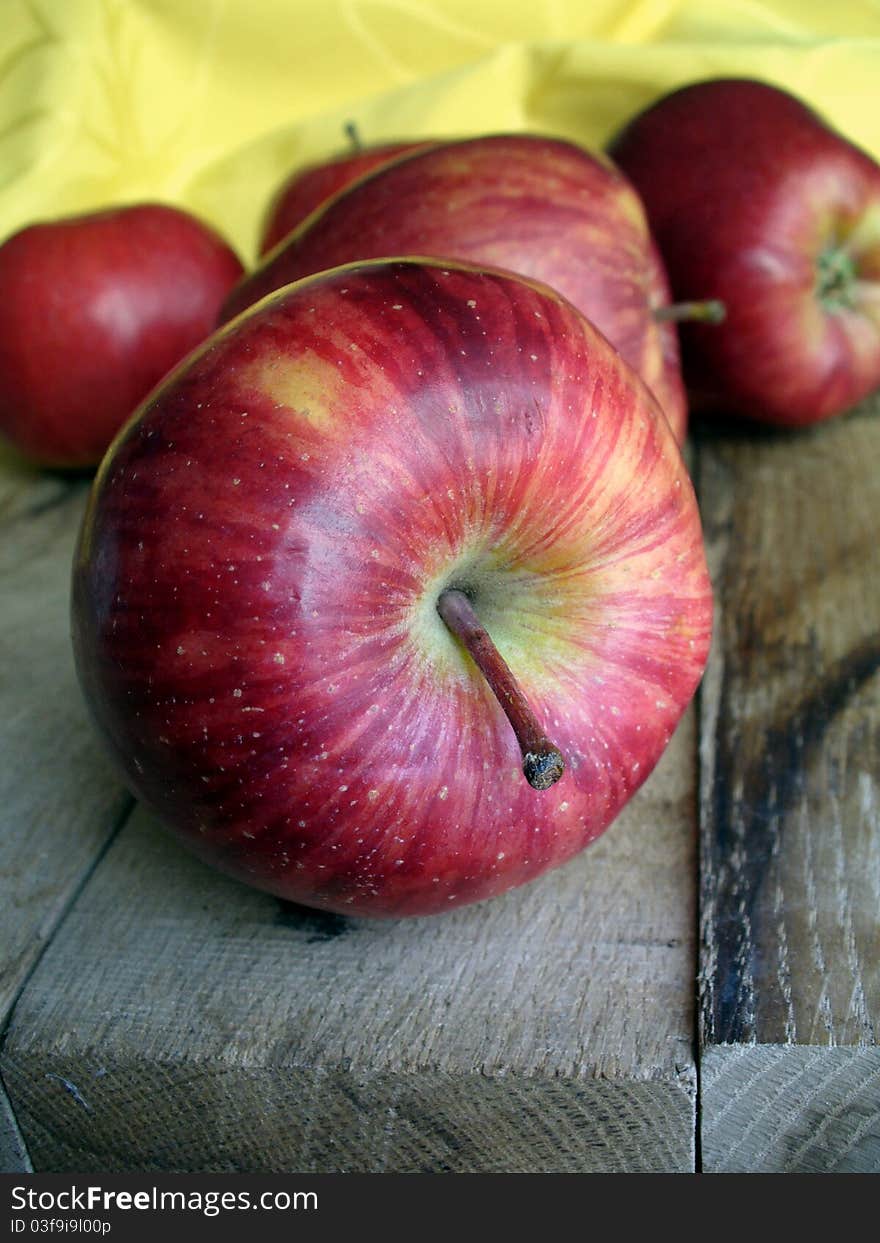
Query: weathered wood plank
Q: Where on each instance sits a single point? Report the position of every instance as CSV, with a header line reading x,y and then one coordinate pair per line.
x,y
59,803
790,792
180,1021
14,1158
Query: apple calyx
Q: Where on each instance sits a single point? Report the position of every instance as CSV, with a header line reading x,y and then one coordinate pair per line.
x,y
836,276
543,764
708,311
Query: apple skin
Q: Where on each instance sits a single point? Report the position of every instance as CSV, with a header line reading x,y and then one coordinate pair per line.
x,y
94,311
255,587
307,188
535,205
749,194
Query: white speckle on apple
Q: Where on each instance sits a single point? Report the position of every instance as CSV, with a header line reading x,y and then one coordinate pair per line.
x,y
500,855
471,303
236,482
236,694
372,795
533,357
562,807
278,658
180,651
443,792
398,306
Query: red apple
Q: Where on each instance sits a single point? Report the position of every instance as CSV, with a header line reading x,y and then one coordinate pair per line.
x,y
94,310
538,206
269,547
755,201
307,188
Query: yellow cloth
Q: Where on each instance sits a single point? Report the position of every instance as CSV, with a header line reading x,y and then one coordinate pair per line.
x,y
210,103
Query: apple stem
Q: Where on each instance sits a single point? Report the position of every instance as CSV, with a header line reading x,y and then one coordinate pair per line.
x,y
353,135
543,764
711,311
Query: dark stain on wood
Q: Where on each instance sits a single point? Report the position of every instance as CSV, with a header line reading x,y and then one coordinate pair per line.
x,y
317,925
756,802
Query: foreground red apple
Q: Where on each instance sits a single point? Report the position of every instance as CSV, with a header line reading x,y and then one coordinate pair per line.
x,y
538,206
270,545
755,201
307,188
94,311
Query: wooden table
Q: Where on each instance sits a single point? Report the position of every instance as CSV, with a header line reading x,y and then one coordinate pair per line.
x,y
699,990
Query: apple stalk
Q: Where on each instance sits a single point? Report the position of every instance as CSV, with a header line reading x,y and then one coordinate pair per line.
x,y
708,311
543,764
353,135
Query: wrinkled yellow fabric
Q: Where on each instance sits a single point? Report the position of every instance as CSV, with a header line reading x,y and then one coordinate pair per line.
x,y
210,103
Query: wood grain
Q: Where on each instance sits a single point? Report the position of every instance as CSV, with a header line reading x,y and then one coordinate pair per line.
x,y
59,804
180,1021
790,792
14,1158
778,1109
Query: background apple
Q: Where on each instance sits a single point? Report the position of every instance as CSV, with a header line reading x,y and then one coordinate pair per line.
x,y
94,310
754,200
256,588
536,205
307,188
